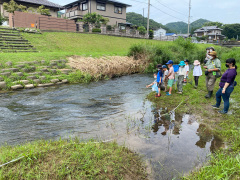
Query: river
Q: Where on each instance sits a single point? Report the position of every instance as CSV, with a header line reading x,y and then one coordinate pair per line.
x,y
172,144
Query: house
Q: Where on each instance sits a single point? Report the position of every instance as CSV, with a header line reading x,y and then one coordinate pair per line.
x,y
212,32
54,8
158,34
114,10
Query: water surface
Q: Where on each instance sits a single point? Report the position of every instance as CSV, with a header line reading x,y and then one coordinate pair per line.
x,y
172,144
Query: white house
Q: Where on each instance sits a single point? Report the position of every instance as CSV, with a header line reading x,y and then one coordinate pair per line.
x,y
158,34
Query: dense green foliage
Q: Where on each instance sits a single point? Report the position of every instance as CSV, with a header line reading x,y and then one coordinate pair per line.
x,y
177,51
231,30
218,24
182,27
95,19
142,30
139,20
96,30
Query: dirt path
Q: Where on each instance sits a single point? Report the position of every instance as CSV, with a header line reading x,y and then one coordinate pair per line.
x,y
109,66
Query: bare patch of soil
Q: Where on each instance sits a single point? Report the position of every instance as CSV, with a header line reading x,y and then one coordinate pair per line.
x,y
109,66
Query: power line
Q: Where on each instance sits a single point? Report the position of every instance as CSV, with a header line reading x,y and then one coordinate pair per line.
x,y
168,14
170,8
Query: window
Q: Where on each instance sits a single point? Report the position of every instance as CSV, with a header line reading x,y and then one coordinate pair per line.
x,y
84,6
118,10
101,7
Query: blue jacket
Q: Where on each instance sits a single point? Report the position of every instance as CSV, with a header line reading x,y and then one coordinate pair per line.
x,y
159,74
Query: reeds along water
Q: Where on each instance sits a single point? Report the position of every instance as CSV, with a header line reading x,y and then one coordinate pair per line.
x,y
108,66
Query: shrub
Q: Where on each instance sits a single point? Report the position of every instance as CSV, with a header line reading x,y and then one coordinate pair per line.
x,y
150,34
142,30
96,30
109,27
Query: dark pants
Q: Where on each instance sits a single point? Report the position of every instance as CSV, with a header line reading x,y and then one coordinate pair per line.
x,y
225,96
196,80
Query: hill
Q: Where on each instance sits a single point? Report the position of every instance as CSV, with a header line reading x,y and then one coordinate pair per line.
x,y
139,20
181,27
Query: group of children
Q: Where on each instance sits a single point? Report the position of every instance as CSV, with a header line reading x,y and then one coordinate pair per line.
x,y
165,77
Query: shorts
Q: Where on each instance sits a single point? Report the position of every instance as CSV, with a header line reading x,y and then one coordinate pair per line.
x,y
170,82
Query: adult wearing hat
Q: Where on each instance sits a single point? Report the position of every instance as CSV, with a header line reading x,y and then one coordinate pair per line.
x,y
213,66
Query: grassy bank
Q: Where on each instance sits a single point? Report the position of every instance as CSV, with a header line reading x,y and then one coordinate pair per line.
x,y
70,160
224,164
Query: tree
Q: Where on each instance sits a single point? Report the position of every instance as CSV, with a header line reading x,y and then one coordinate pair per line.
x,y
150,34
13,6
218,24
43,11
231,30
31,9
142,30
95,19
2,19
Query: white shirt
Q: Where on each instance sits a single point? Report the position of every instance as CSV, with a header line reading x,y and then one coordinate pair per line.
x,y
165,74
197,71
182,71
187,69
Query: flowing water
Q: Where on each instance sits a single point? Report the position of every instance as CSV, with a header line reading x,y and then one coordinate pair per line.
x,y
172,144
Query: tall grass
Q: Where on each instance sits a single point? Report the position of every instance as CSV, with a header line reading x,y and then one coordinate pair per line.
x,y
177,51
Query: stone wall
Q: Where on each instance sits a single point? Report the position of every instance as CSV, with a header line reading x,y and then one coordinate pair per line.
x,y
128,32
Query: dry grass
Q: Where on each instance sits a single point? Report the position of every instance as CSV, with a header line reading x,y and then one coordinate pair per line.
x,y
107,66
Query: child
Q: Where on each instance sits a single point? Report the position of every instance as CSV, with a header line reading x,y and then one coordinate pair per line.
x,y
197,71
181,76
170,77
153,83
187,70
159,79
165,78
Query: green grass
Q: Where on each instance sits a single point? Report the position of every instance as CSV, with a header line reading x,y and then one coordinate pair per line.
x,y
70,160
225,163
59,45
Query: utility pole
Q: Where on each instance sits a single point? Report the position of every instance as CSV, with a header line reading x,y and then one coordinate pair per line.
x,y
189,16
148,18
143,16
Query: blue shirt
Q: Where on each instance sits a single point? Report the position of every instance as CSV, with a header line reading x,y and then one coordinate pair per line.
x,y
160,74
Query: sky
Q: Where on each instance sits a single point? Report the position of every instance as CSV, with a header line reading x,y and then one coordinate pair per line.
x,y
166,11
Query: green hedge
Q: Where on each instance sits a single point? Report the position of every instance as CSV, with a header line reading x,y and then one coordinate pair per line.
x,y
96,30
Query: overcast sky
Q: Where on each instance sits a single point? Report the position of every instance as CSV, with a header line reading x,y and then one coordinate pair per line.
x,y
165,11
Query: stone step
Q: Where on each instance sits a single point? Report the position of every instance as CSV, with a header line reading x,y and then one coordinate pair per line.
x,y
17,51
29,86
18,48
3,85
15,87
3,31
15,45
13,40
45,85
8,34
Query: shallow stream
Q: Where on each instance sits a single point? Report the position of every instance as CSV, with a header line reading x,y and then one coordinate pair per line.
x,y
172,144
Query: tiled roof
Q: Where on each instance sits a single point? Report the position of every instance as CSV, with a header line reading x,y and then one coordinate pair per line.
x,y
42,2
208,28
110,1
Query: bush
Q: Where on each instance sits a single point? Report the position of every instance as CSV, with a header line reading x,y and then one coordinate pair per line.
x,y
96,30
142,30
150,34
109,28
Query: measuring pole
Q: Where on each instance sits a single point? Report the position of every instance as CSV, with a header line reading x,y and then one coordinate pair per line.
x,y
189,16
148,18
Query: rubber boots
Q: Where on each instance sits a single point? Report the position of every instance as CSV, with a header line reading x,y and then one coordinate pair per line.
x,y
209,95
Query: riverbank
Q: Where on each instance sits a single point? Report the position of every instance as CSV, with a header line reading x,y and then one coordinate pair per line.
x,y
224,164
70,160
